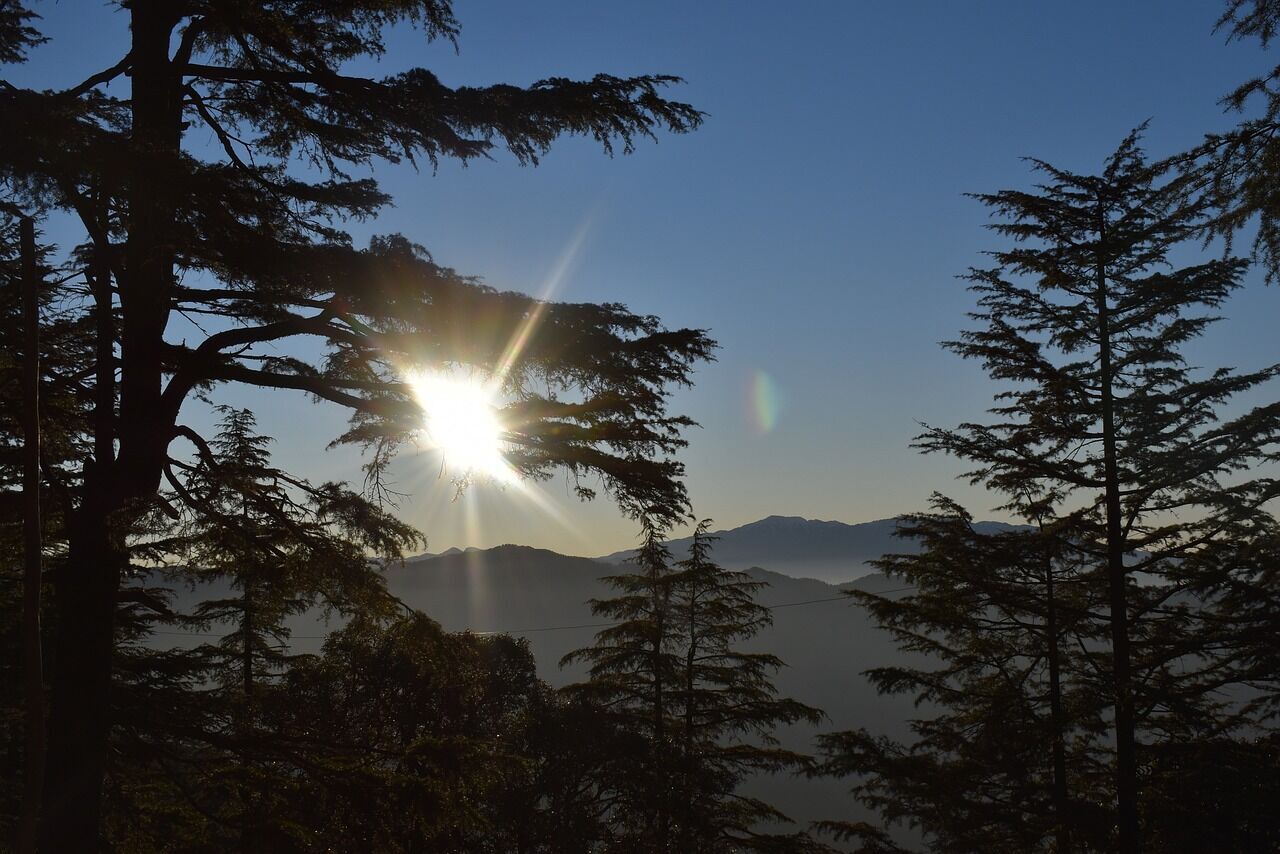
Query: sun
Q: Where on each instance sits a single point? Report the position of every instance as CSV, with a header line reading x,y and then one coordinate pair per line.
x,y
461,421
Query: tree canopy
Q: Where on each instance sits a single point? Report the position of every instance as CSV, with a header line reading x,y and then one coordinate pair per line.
x,y
205,266
671,671
1152,505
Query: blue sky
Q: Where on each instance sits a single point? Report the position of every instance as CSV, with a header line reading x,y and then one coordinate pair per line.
x,y
815,224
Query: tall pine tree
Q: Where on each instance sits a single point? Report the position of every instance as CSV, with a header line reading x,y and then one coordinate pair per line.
x,y
728,708
246,235
1005,755
1084,320
259,547
634,669
672,669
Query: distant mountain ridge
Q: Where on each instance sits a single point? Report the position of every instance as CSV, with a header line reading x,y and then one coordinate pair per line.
x,y
834,552
826,640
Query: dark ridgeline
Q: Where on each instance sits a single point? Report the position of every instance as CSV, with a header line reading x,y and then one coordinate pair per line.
x,y
671,672
834,552
232,235
1103,657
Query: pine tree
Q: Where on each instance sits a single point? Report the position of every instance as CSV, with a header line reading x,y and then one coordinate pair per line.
x,y
634,670
1007,759
670,670
241,237
1104,421
727,708
279,544
264,546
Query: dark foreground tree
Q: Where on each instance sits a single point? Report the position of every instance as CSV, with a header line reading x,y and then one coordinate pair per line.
x,y
398,737
262,546
1104,421
634,668
1241,167
405,738
244,238
1006,756
672,671
64,408
728,708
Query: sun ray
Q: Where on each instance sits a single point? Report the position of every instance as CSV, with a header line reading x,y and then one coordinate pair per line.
x,y
554,281
462,413
535,496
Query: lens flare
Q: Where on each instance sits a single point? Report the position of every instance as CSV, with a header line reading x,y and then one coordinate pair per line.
x,y
766,401
461,421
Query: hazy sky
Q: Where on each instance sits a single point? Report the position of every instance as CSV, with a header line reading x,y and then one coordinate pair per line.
x,y
815,223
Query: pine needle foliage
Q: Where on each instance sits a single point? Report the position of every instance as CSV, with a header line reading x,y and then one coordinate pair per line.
x,y
1101,420
1239,166
224,264
673,671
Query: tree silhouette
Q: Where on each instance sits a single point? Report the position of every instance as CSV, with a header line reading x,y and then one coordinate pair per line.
x,y
246,238
1007,758
1102,420
64,411
1239,166
634,668
727,707
671,671
260,546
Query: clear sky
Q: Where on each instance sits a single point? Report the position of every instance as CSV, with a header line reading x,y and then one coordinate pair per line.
x,y
815,224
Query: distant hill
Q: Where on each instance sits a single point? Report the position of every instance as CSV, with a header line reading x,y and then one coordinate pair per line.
x,y
807,548
824,638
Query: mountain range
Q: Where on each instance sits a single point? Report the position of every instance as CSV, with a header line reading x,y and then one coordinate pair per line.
x,y
806,548
826,640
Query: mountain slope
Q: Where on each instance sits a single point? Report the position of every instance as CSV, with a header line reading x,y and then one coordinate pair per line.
x,y
824,638
806,548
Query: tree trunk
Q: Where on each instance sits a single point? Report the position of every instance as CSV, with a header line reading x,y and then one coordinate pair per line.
x,y
248,817
1127,840
1062,820
33,666
687,806
85,593
662,817
115,493
145,292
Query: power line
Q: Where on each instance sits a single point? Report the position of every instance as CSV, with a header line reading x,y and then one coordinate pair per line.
x,y
841,598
